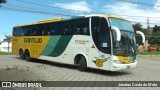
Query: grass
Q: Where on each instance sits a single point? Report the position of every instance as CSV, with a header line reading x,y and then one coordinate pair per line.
x,y
148,53
5,53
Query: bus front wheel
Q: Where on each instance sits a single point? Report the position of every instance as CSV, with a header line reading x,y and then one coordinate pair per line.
x,y
82,65
27,55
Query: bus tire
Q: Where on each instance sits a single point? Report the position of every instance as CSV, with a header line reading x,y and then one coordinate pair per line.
x,y
27,55
82,65
21,54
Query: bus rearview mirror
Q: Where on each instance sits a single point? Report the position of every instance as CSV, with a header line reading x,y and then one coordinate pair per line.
x,y
142,34
118,33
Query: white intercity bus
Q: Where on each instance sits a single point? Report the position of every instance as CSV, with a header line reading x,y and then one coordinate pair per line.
x,y
97,41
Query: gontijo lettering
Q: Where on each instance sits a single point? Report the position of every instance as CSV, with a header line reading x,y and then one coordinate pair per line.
x,y
32,40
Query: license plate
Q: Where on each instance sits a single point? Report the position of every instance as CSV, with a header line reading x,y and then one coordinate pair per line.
x,y
128,67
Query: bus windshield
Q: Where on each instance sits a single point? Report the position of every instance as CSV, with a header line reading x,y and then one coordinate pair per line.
x,y
121,24
127,45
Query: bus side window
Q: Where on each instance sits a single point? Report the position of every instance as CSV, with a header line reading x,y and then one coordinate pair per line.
x,y
85,31
16,31
59,29
65,28
38,31
85,26
76,27
48,29
33,31
68,28
44,30
24,31
53,28
28,29
81,26
77,31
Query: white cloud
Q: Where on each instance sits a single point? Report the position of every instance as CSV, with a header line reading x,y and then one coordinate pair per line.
x,y
157,5
81,6
133,10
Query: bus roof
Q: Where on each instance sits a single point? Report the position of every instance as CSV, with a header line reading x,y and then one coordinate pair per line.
x,y
73,18
107,15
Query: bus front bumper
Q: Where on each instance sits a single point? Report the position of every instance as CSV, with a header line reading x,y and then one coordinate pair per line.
x,y
119,67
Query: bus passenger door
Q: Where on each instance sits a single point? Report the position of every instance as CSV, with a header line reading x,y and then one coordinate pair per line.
x,y
100,53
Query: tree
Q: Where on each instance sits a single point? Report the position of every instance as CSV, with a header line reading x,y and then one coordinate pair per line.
x,y
138,27
156,29
3,1
8,39
155,39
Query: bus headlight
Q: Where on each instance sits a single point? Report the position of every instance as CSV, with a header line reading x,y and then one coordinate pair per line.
x,y
117,61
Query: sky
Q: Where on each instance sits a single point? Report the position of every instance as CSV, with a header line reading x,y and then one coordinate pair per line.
x,y
30,11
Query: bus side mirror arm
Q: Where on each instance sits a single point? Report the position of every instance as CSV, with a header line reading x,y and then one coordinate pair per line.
x,y
142,34
118,33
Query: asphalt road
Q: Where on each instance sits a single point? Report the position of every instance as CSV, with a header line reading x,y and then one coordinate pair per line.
x,y
14,69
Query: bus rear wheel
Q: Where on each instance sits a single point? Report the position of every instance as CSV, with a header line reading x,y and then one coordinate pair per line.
x,y
21,54
82,65
27,55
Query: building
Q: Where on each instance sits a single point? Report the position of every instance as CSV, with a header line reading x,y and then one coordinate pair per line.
x,y
150,30
4,47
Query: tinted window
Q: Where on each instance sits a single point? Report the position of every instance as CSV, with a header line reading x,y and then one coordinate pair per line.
x,y
70,27
101,34
53,28
17,31
65,28
81,26
28,30
43,29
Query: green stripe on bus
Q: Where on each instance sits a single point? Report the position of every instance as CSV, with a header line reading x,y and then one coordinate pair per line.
x,y
61,45
50,45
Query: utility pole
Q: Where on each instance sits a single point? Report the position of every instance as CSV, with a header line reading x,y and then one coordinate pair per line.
x,y
148,26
